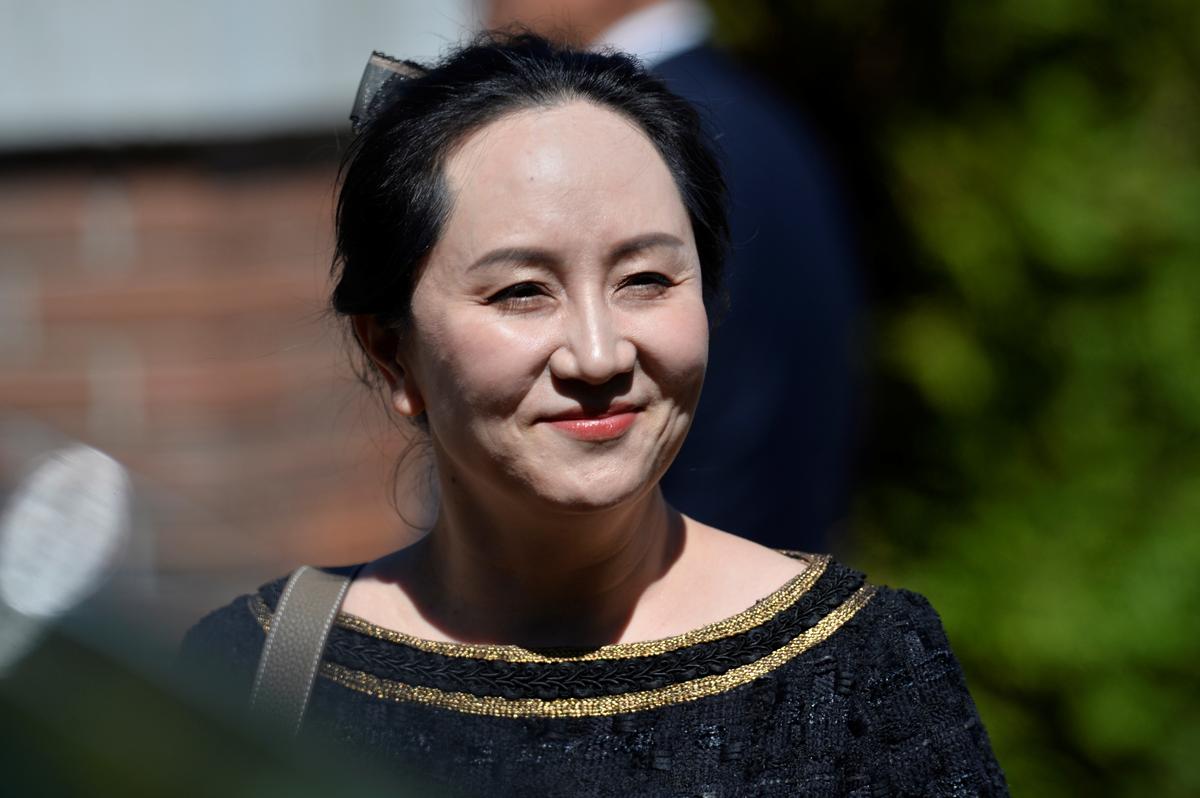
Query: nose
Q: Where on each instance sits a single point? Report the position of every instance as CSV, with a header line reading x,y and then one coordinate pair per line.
x,y
594,349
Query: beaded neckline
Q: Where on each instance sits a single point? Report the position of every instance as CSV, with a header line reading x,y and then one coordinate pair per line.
x,y
754,615
758,613
510,681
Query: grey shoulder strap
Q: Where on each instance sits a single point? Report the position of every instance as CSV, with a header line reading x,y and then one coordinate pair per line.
x,y
294,646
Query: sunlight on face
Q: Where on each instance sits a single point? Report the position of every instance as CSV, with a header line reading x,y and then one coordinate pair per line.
x,y
559,334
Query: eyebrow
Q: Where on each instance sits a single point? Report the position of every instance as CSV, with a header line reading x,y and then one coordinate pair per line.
x,y
644,242
543,257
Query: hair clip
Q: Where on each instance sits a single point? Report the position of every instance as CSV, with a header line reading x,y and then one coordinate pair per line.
x,y
380,70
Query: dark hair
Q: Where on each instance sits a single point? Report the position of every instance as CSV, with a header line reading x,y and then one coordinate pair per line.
x,y
393,200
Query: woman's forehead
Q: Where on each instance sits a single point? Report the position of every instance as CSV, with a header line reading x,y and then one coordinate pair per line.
x,y
553,169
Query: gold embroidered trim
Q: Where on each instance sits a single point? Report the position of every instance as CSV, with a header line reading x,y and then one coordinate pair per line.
x,y
761,611
602,705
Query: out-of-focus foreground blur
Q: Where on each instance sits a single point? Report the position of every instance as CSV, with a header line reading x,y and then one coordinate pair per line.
x,y
166,188
1026,181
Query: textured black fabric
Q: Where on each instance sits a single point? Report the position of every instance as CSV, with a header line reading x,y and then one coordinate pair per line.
x,y
880,708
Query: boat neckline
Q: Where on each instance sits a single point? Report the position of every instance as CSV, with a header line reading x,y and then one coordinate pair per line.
x,y
758,613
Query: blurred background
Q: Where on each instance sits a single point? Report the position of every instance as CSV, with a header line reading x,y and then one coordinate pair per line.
x,y
1024,182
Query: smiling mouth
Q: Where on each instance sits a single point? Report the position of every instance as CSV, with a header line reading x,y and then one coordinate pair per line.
x,y
600,427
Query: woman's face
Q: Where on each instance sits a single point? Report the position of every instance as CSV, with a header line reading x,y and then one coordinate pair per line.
x,y
559,336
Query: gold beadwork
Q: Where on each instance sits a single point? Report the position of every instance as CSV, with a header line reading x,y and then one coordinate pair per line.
x,y
758,613
602,705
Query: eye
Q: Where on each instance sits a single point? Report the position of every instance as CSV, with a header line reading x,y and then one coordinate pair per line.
x,y
517,294
647,283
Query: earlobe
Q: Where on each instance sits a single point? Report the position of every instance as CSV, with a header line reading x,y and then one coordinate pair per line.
x,y
407,400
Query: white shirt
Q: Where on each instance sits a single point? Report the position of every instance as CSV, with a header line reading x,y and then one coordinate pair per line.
x,y
659,31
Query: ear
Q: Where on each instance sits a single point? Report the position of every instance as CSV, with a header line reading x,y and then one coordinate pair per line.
x,y
382,346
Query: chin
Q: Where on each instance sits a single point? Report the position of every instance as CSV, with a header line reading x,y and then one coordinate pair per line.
x,y
594,493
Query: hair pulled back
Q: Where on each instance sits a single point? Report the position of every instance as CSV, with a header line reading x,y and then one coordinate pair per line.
x,y
393,200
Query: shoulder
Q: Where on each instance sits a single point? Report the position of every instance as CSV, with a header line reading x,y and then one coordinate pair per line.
x,y
898,631
913,695
234,633
224,645
742,556
905,615
730,572
900,639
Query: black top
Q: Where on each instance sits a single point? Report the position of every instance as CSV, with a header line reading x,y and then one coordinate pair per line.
x,y
828,686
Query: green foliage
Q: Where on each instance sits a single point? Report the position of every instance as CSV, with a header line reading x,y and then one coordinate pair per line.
x,y
1029,177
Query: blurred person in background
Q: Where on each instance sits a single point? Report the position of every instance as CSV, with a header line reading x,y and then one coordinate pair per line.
x,y
530,239
777,418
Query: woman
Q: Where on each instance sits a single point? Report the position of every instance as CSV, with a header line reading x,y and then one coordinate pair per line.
x,y
529,244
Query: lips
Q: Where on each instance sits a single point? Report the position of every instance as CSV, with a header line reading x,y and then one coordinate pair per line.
x,y
608,425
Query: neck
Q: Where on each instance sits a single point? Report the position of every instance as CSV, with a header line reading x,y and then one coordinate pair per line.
x,y
490,573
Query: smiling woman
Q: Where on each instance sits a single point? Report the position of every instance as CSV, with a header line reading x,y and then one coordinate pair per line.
x,y
556,347
529,242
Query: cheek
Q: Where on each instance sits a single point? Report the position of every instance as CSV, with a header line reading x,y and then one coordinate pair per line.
x,y
480,368
674,348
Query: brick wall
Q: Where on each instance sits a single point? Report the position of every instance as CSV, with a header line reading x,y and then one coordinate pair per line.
x,y
171,313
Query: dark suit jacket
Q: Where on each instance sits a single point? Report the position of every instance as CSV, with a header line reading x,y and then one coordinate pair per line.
x,y
768,454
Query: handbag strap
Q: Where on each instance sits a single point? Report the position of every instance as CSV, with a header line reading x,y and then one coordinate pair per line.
x,y
295,643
